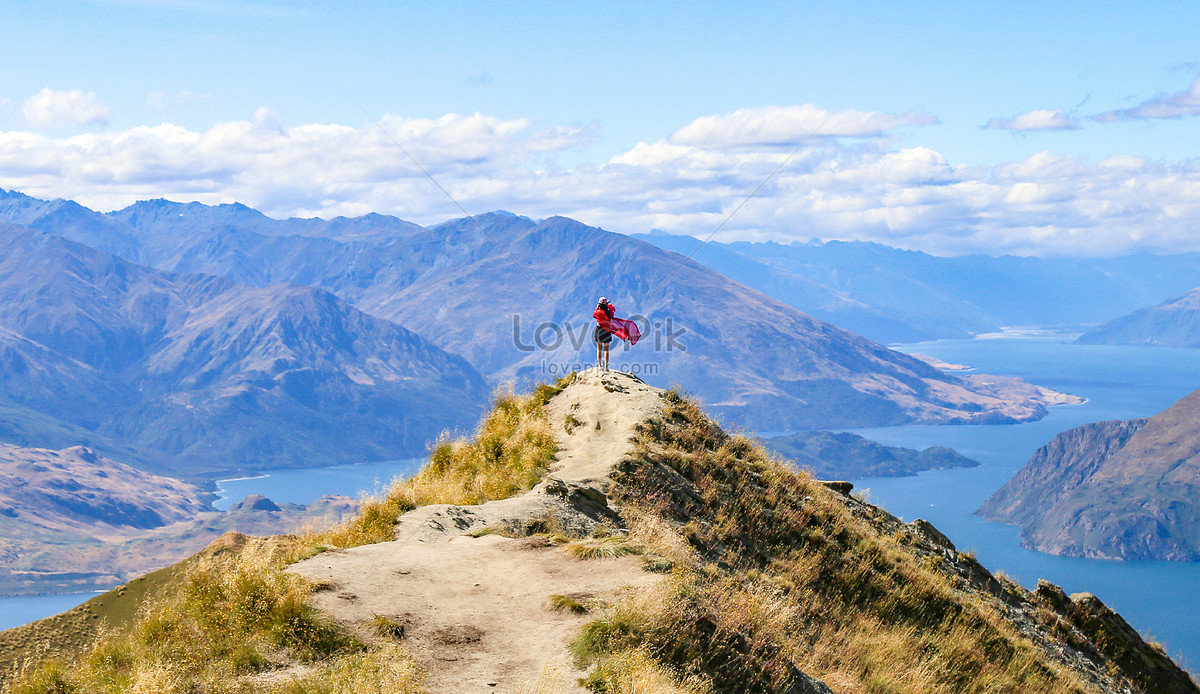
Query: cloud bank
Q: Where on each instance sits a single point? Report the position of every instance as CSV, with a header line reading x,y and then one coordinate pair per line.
x,y
50,109
1037,119
1177,105
790,125
845,179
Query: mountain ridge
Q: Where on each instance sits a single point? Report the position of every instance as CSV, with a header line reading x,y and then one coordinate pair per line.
x,y
895,295
758,360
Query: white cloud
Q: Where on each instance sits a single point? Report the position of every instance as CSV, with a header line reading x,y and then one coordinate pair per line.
x,y
912,197
50,109
1037,119
790,125
1177,105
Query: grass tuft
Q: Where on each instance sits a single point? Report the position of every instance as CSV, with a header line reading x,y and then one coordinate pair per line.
x,y
635,671
656,564
232,614
602,548
386,669
387,628
568,603
510,451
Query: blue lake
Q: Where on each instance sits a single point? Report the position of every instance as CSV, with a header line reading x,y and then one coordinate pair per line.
x,y
1160,599
302,486
17,611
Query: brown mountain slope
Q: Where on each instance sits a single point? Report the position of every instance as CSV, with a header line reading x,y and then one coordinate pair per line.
x,y
72,520
1121,490
76,490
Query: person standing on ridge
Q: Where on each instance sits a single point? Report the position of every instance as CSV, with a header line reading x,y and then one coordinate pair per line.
x,y
607,325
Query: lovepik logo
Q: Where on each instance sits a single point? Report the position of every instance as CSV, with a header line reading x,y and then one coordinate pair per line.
x,y
549,336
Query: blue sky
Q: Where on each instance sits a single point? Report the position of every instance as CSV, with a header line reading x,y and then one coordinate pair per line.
x,y
1020,127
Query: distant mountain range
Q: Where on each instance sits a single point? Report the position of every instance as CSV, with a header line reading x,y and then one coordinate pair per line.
x,y
892,295
513,297
194,373
1173,323
1113,490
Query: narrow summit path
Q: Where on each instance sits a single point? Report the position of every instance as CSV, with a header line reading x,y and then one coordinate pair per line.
x,y
475,609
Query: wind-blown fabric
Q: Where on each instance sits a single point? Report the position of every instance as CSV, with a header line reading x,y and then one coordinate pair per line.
x,y
622,328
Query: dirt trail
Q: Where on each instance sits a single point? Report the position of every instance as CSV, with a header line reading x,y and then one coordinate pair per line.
x,y
475,609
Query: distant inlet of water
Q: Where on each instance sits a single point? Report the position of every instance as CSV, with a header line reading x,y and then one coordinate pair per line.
x,y
302,486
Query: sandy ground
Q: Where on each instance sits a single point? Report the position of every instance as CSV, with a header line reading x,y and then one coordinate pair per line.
x,y
475,610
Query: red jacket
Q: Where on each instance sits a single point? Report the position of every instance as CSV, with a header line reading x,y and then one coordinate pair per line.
x,y
624,329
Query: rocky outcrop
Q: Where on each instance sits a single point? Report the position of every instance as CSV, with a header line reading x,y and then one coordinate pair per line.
x,y
1112,490
1091,626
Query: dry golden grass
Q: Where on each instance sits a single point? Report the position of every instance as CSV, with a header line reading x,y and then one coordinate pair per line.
x,y
774,574
634,671
602,547
550,681
386,669
508,454
233,614
511,449
235,617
